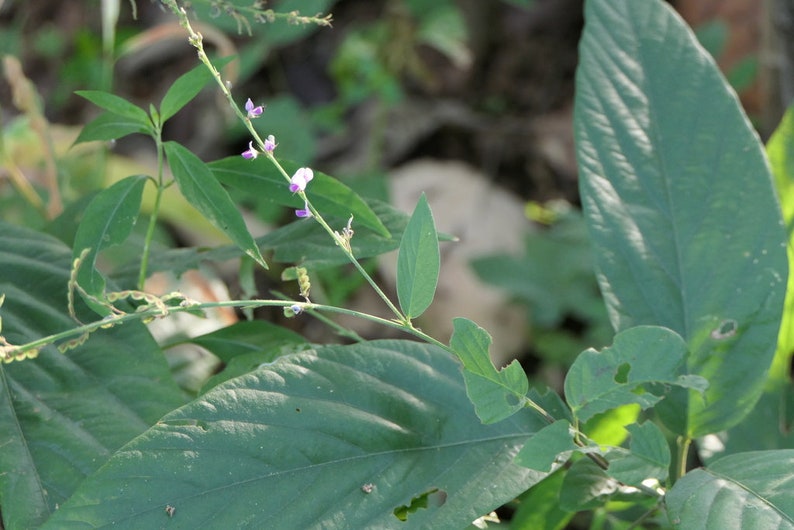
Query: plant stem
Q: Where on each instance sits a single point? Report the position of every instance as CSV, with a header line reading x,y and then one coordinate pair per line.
x,y
155,312
683,443
158,195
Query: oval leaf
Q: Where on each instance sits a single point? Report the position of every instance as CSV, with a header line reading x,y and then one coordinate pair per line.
x,y
342,438
418,262
628,372
63,415
200,188
108,221
679,202
746,490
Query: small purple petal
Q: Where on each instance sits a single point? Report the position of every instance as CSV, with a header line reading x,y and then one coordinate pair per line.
x,y
270,144
251,153
296,309
303,213
253,112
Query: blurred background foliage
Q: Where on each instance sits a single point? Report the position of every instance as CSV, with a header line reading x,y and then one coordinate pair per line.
x,y
489,84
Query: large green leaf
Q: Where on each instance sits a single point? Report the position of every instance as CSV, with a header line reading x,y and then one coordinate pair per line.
x,y
768,425
745,491
418,261
63,415
679,202
203,191
343,437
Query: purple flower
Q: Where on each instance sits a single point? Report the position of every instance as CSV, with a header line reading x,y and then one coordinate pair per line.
x,y
270,144
253,112
296,309
300,179
251,153
305,212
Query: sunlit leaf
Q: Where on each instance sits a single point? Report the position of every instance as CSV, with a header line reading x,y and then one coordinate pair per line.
x,y
340,438
679,202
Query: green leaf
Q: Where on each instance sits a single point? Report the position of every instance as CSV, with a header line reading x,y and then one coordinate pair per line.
x,y
108,126
539,508
648,457
666,155
246,345
246,337
585,487
418,262
767,426
496,394
339,438
637,368
746,490
203,191
185,88
108,221
63,415
329,196
117,105
543,450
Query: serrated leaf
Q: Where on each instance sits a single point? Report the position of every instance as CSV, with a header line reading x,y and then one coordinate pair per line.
x,y
496,394
648,457
63,415
108,221
418,262
666,154
329,196
186,87
117,105
108,127
203,191
336,439
741,491
636,369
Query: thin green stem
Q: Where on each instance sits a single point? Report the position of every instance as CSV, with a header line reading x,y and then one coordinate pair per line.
x,y
344,245
155,312
683,442
158,195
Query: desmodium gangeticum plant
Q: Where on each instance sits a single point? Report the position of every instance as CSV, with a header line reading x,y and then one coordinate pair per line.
x,y
691,255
